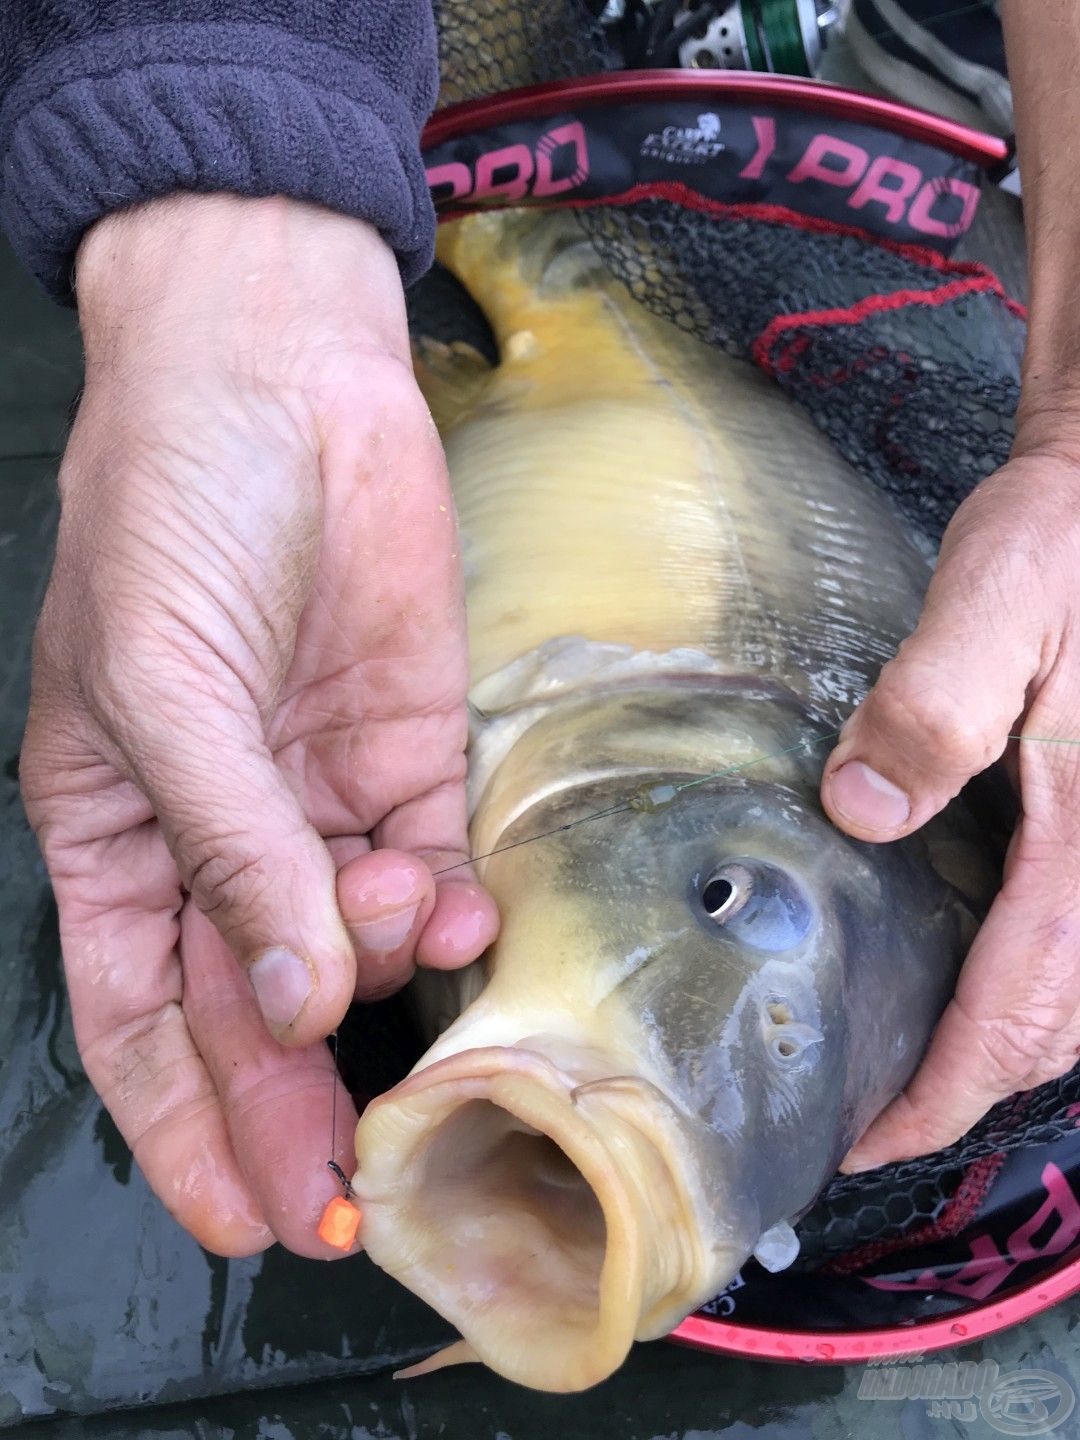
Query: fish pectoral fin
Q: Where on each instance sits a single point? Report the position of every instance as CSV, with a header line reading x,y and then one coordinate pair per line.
x,y
460,1353
452,377
777,1248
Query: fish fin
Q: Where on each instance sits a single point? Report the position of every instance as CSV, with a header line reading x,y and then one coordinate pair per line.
x,y
452,377
460,1353
519,264
777,1248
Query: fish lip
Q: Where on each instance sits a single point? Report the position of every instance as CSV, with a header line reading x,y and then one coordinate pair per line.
x,y
485,1060
544,1095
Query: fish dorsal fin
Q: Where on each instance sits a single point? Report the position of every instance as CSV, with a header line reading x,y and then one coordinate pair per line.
x,y
452,376
522,267
566,330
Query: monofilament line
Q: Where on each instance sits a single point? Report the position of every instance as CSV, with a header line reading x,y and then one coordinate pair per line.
x,y
332,1164
543,835
628,805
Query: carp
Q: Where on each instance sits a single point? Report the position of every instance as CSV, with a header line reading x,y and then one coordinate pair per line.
x,y
703,992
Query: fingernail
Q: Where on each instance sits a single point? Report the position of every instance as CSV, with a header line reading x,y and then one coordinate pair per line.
x,y
387,933
282,984
867,799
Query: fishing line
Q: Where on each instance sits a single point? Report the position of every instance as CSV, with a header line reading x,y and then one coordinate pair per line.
x,y
648,799
332,1164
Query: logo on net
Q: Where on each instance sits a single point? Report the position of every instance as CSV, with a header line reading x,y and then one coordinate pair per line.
x,y
1019,1402
686,144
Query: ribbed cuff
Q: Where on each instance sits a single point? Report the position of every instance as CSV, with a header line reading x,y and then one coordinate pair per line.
x,y
249,109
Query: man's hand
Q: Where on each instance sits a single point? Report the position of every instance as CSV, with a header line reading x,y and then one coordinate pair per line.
x,y
249,670
997,651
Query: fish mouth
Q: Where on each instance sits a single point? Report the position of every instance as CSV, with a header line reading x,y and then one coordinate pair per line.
x,y
537,1206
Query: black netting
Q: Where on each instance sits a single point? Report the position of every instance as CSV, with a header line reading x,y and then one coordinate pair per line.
x,y
726,278
863,1212
919,397
487,46
893,424
440,308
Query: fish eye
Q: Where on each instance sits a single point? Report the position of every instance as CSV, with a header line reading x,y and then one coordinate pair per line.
x,y
726,891
757,904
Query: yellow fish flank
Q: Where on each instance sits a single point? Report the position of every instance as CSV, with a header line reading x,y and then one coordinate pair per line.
x,y
689,1015
617,479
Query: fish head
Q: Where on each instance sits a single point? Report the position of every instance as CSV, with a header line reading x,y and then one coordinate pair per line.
x,y
775,979
693,1007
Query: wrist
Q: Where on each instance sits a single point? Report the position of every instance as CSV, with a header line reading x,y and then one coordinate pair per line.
x,y
188,272
1048,418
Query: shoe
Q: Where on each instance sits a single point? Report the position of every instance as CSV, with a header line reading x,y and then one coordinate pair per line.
x,y
947,56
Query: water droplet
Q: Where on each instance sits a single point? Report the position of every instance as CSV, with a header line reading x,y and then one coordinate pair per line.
x,y
826,1351
958,1329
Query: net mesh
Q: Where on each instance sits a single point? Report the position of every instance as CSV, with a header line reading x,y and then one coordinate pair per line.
x,y
909,365
488,47
860,1214
920,398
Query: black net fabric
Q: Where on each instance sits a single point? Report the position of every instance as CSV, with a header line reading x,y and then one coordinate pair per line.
x,y
860,1215
911,366
440,308
919,397
488,47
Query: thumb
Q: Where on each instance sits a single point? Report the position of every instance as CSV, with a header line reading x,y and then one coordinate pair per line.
x,y
942,709
251,862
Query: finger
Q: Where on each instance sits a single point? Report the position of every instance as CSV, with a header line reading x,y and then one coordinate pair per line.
x,y
117,902
247,855
1015,1019
941,710
465,919
385,898
277,1102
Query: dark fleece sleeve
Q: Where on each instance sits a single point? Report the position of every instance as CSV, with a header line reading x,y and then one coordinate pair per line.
x,y
104,103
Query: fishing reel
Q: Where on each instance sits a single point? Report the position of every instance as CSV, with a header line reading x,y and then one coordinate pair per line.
x,y
781,36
